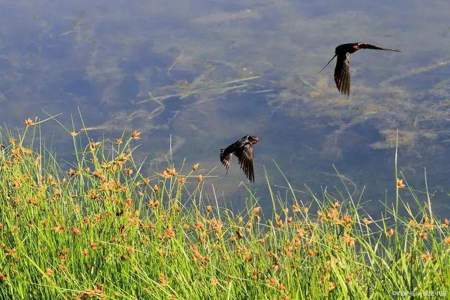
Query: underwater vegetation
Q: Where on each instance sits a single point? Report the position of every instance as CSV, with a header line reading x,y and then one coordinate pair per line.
x,y
181,70
108,212
103,229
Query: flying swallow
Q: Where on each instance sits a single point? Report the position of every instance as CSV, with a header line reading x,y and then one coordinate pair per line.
x,y
243,150
342,70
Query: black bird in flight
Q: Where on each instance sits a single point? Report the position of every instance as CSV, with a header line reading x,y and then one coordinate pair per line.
x,y
342,70
243,150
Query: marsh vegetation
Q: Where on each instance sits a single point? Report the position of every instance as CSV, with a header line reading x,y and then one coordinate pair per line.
x,y
102,229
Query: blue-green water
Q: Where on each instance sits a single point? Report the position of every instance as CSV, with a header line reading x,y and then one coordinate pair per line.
x,y
196,75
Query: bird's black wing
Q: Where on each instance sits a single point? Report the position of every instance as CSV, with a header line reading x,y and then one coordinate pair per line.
x,y
245,156
225,155
373,47
342,73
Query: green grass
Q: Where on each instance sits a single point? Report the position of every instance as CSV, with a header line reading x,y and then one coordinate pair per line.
x,y
103,230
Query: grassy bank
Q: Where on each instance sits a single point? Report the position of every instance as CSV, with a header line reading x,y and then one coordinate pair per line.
x,y
101,229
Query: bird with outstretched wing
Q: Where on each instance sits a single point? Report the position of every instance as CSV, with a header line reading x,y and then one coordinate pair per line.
x,y
243,150
342,69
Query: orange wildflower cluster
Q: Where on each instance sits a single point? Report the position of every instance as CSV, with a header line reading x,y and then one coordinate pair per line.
x,y
97,292
367,221
121,159
214,281
163,279
181,180
49,272
216,226
297,208
390,232
447,241
273,282
169,172
29,122
18,152
426,257
348,240
153,203
169,233
94,145
136,135
198,256
400,184
445,223
76,230
200,178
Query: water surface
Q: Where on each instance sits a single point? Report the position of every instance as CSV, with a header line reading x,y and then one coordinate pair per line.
x,y
196,75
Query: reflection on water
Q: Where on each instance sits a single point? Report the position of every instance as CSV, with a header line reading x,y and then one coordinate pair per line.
x,y
196,75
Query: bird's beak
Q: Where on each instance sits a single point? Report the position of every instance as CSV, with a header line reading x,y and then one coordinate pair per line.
x,y
328,63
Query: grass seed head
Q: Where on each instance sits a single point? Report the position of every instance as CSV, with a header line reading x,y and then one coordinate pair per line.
x,y
136,135
214,281
400,184
29,122
390,232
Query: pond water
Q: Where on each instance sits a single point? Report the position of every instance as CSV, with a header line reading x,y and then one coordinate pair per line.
x,y
196,75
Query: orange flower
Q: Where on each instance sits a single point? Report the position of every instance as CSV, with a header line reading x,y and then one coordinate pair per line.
x,y
347,219
423,235
49,272
85,252
272,282
426,257
214,281
153,203
390,232
58,229
181,180
257,211
93,245
348,240
94,145
76,231
29,122
163,279
195,167
333,214
447,240
169,233
366,221
136,135
400,184
296,208
169,172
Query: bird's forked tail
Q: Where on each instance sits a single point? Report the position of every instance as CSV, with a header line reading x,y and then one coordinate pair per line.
x,y
328,63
